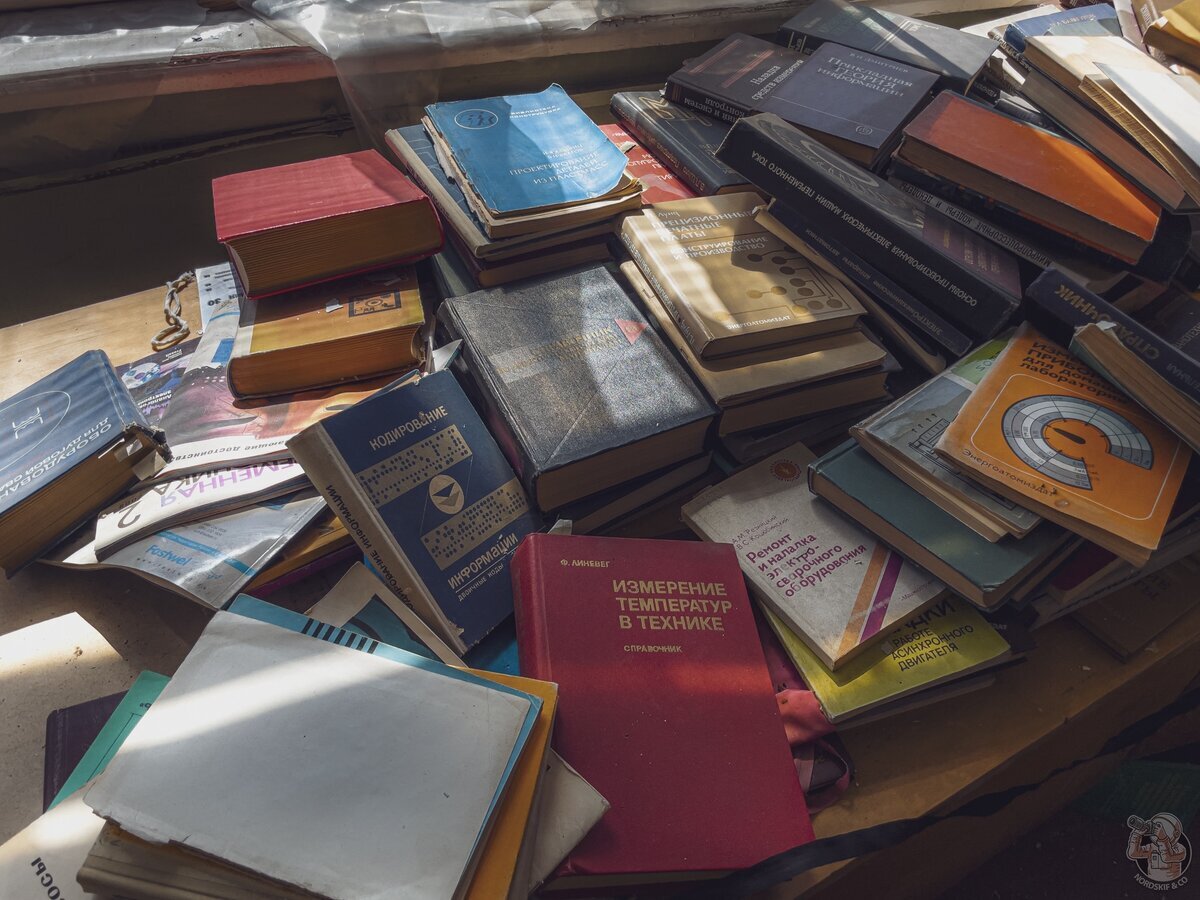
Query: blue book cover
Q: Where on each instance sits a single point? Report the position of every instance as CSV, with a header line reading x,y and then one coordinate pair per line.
x,y
56,425
529,151
425,491
1085,20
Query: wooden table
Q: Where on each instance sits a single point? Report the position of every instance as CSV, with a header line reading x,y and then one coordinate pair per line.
x,y
1059,707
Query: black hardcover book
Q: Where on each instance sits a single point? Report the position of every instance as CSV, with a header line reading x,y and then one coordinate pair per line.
x,y
920,319
69,446
580,391
685,141
1057,305
69,733
954,55
853,102
733,78
970,281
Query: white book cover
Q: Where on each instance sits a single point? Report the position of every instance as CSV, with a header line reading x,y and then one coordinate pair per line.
x,y
836,586
208,561
1170,101
192,497
337,771
41,860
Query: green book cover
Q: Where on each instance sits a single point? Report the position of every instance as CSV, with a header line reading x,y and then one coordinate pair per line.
x,y
948,641
979,569
143,692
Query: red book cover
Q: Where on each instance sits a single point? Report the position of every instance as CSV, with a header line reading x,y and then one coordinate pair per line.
x,y
666,705
263,199
660,182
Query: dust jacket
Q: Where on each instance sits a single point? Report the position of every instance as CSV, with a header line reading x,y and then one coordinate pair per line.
x,y
425,492
652,643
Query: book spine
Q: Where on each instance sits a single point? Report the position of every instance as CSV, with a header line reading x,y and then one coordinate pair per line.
x,y
957,294
691,330
693,97
1066,306
894,297
979,226
678,157
797,40
319,457
529,612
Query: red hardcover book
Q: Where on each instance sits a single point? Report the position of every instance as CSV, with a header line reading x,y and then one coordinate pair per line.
x,y
665,706
660,183
290,226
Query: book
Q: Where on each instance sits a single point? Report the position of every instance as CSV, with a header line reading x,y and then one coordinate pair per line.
x,y
650,642
730,285
969,281
422,487
1177,32
956,56
734,78
853,102
321,543
902,437
349,330
982,571
1037,174
480,273
767,386
1157,108
192,498
1097,19
592,514
1128,619
913,313
420,159
837,587
124,711
74,441
69,733
579,389
1143,362
152,379
499,863
1053,83
659,184
683,139
425,756
207,562
529,152
45,855
210,428
947,643
1045,430
293,225
812,431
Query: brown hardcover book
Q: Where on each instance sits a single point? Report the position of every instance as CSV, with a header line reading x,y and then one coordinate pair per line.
x,y
776,384
1048,179
326,335
729,283
1177,32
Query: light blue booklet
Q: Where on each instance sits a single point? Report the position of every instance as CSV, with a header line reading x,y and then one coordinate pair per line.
x,y
529,151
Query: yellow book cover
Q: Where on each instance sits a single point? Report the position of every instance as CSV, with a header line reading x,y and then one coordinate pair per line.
x,y
1047,431
947,641
729,284
1177,31
497,866
327,334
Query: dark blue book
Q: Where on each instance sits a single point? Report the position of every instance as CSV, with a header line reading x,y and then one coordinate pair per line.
x,y
422,487
684,140
1099,18
529,151
70,444
580,391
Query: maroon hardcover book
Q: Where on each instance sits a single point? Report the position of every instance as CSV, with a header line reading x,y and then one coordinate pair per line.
x,y
665,706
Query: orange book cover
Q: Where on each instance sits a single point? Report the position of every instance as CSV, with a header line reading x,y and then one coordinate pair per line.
x,y
1048,431
1036,160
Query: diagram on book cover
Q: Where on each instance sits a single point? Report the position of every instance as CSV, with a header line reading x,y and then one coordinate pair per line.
x,y
806,287
1067,438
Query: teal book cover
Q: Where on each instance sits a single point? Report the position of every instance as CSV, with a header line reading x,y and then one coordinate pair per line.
x,y
143,692
529,151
